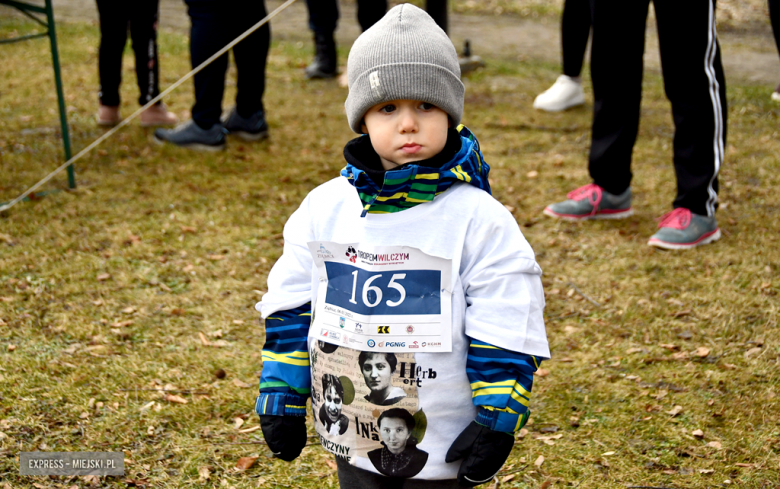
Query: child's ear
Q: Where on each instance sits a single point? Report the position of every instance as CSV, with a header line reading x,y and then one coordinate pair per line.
x,y
363,127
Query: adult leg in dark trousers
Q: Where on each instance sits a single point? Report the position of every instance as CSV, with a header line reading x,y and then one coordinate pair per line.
x,y
215,23
694,84
575,29
774,18
141,18
323,20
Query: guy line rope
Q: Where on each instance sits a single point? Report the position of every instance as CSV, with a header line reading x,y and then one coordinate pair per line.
x,y
148,104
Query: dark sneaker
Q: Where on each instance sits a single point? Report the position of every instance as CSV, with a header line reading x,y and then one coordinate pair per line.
x,y
190,135
682,229
325,58
592,202
252,129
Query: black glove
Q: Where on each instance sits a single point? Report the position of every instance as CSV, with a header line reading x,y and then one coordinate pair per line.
x,y
285,435
483,451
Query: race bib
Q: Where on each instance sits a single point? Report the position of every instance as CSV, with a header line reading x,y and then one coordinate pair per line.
x,y
382,298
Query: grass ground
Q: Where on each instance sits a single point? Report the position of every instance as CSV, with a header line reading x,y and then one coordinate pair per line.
x,y
145,279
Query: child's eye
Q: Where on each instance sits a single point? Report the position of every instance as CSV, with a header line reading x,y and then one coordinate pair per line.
x,y
426,106
387,108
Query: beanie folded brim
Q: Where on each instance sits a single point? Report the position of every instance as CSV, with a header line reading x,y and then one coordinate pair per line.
x,y
426,82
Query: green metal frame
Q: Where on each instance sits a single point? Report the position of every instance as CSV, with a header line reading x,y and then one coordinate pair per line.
x,y
28,10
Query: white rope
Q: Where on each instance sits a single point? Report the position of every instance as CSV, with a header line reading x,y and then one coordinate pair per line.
x,y
149,104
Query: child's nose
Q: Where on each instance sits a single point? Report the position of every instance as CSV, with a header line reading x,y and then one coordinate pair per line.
x,y
408,121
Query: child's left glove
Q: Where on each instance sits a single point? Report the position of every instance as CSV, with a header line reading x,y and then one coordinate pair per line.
x,y
483,451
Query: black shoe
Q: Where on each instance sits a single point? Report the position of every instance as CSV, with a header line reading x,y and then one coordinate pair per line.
x,y
253,128
325,59
190,135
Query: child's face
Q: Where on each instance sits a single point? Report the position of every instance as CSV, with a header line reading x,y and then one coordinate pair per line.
x,y
403,131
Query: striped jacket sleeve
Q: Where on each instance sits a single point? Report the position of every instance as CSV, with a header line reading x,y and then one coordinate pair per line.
x,y
501,382
285,382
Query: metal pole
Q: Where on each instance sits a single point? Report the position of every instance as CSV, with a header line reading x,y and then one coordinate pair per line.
x,y
60,95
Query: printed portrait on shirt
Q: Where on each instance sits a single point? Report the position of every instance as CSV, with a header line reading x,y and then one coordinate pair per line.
x,y
330,415
398,455
378,370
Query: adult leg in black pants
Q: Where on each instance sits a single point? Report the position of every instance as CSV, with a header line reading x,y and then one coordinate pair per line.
x,y
774,18
694,83
575,29
324,18
214,25
141,19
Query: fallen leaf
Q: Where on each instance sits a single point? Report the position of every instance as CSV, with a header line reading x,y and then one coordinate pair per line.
x,y
219,344
669,346
175,398
522,433
177,311
204,473
675,411
509,208
84,415
122,324
128,310
103,277
188,229
331,464
542,372
744,465
532,174
706,471
216,257
146,406
679,314
681,355
715,444
674,302
132,239
698,433
249,430
7,299
241,384
203,340
11,347
685,335
539,461
238,422
246,462
633,350
607,454
97,303
507,478
752,352
702,351
92,480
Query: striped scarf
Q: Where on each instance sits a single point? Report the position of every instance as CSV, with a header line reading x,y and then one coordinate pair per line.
x,y
412,184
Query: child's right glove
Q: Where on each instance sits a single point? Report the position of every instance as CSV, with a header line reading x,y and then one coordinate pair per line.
x,y
285,435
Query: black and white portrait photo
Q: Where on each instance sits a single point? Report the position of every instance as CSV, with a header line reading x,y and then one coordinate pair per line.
x,y
330,414
399,455
377,370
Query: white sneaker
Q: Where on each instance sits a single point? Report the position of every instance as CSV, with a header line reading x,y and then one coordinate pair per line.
x,y
565,93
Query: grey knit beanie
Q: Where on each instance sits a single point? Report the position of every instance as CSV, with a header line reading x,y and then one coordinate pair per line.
x,y
403,56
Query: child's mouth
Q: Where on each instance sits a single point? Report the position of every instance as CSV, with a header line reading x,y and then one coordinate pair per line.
x,y
411,148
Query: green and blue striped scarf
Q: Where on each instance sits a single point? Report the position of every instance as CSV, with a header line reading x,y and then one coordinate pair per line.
x,y
411,184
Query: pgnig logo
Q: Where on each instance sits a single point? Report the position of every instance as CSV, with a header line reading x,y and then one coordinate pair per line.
x,y
371,343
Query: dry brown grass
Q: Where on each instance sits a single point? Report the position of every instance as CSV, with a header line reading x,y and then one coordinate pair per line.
x,y
105,290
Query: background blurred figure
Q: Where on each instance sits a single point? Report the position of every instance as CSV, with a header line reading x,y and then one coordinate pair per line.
x,y
140,17
324,18
774,18
215,23
695,86
575,30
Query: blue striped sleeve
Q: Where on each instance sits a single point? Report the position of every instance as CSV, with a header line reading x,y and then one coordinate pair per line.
x,y
501,382
285,382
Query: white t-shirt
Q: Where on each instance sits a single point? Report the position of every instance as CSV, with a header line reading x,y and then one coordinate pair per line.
x,y
497,297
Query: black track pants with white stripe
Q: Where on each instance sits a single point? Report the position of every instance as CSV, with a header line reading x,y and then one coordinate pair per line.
x,y
693,81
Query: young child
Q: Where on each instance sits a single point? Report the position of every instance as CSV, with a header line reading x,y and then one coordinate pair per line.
x,y
405,254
